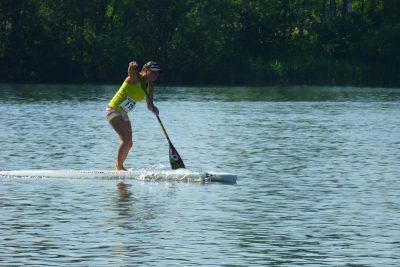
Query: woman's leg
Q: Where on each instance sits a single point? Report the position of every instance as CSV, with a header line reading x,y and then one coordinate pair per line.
x,y
124,130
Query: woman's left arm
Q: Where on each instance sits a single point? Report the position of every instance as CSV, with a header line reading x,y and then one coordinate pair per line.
x,y
149,100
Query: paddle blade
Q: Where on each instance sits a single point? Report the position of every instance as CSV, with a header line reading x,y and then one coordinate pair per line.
x,y
174,158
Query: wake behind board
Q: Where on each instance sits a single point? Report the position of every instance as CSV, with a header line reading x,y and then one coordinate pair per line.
x,y
171,176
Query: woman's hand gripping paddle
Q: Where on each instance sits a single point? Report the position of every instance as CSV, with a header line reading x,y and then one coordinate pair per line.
x,y
174,158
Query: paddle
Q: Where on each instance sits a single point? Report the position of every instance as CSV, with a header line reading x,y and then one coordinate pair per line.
x,y
174,158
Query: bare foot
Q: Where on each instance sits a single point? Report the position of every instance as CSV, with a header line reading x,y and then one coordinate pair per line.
x,y
122,168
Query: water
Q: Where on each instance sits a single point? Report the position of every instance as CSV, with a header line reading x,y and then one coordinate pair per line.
x,y
318,178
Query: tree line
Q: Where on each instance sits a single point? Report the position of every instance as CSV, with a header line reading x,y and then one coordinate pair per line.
x,y
220,42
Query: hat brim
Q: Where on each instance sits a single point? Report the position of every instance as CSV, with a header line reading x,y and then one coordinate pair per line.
x,y
155,70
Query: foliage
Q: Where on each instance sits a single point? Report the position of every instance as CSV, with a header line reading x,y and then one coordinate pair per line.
x,y
202,41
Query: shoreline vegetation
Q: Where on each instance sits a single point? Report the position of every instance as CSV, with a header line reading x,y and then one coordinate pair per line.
x,y
203,42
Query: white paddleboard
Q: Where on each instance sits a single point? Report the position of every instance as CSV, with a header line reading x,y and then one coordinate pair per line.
x,y
177,175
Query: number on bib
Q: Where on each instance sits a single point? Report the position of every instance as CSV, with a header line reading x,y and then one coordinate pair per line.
x,y
128,104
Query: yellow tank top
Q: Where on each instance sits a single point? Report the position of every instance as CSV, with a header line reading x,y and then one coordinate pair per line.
x,y
127,96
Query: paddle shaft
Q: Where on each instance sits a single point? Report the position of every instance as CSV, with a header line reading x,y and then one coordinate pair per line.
x,y
162,126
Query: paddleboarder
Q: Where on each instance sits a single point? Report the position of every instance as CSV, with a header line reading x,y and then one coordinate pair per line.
x,y
124,101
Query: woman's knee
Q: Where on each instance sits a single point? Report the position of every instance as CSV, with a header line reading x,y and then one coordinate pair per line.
x,y
127,142
130,143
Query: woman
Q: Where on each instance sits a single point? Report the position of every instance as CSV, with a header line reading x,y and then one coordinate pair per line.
x,y
124,101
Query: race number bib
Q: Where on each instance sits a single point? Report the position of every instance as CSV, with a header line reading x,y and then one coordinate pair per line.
x,y
128,104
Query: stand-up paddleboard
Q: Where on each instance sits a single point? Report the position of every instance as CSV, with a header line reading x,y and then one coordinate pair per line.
x,y
173,176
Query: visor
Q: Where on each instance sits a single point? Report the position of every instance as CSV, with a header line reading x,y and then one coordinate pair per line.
x,y
154,68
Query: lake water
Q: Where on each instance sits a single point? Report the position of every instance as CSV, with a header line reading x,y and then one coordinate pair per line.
x,y
318,178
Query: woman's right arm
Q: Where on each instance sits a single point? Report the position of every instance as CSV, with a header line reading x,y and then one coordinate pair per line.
x,y
132,74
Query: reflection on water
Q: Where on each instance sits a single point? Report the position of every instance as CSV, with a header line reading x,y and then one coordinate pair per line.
x,y
124,199
123,192
317,178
